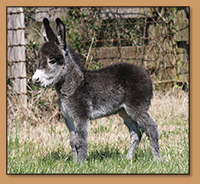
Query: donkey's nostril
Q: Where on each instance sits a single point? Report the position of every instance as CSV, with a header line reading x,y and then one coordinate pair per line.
x,y
37,81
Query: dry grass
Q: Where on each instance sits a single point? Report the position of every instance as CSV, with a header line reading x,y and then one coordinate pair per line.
x,y
40,124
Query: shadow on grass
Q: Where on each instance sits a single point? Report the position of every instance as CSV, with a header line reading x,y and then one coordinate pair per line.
x,y
104,153
99,154
57,155
93,155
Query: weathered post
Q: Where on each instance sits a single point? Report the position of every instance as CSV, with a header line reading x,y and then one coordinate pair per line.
x,y
16,53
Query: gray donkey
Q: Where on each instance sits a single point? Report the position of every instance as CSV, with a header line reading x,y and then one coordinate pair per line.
x,y
122,88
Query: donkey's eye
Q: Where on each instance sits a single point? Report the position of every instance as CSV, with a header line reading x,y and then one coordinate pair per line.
x,y
52,61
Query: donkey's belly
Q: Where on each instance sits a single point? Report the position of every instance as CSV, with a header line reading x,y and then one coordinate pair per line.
x,y
103,110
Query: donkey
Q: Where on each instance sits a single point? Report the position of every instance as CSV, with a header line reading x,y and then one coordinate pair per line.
x,y
84,95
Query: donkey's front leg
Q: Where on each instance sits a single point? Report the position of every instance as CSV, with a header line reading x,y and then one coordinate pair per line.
x,y
72,133
82,139
73,145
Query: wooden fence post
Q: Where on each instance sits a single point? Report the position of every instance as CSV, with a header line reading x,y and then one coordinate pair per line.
x,y
16,53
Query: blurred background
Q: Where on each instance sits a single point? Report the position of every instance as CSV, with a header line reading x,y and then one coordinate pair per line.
x,y
155,38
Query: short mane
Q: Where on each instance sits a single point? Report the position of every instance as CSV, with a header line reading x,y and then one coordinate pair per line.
x,y
76,58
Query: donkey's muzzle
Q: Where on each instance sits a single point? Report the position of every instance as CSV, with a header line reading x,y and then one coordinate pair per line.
x,y
37,78
36,81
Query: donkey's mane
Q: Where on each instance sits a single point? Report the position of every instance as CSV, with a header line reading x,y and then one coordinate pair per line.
x,y
76,58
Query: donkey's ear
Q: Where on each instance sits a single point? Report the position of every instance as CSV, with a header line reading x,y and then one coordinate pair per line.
x,y
60,32
48,33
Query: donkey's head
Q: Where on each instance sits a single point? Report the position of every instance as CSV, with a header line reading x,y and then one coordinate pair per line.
x,y
51,55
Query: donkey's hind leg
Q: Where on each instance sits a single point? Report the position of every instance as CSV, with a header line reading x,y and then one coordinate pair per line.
x,y
149,126
146,124
135,134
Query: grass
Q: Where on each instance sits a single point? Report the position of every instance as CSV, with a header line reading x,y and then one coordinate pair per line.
x,y
38,140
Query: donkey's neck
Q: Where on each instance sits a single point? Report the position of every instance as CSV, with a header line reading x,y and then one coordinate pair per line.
x,y
71,79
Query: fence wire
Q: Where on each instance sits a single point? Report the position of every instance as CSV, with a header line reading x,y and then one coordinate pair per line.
x,y
155,38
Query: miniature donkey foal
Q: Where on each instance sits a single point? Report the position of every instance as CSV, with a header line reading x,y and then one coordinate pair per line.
x,y
84,95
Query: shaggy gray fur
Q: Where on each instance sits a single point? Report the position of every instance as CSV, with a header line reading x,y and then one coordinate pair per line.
x,y
84,95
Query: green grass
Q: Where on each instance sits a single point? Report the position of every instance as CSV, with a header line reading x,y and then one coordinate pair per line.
x,y
43,148
28,157
102,160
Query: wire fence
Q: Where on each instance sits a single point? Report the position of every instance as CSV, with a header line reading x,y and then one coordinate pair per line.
x,y
155,38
